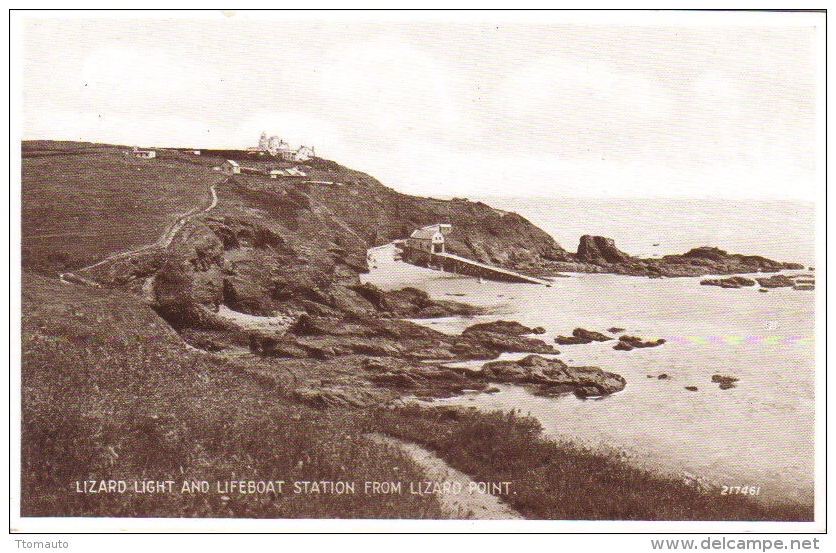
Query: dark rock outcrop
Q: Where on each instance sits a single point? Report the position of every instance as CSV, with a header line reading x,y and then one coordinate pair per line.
x,y
582,336
553,376
590,335
411,303
423,379
730,282
599,254
487,340
321,337
776,281
725,382
705,259
599,249
626,343
571,340
507,328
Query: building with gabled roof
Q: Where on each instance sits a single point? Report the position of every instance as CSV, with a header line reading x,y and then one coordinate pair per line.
x,y
429,239
230,167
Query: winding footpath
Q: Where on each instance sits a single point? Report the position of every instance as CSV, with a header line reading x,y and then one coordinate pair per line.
x,y
475,506
163,242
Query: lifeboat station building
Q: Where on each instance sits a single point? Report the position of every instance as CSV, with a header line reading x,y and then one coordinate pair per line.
x,y
429,239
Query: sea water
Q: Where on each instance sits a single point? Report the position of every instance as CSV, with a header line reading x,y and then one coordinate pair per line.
x,y
759,433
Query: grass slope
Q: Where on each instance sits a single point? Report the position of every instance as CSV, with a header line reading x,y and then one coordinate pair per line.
x,y
110,392
560,481
81,202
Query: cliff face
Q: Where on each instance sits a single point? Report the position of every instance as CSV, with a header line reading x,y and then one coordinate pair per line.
x,y
289,251
297,245
292,246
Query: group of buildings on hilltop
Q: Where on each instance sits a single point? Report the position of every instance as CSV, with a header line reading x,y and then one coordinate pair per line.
x,y
141,153
277,147
231,167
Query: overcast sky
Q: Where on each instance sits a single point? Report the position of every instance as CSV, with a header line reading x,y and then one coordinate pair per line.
x,y
461,108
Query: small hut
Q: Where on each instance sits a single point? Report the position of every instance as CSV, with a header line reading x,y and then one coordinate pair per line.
x,y
230,167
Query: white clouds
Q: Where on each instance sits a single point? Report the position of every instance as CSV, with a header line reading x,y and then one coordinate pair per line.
x,y
140,78
575,107
396,90
449,110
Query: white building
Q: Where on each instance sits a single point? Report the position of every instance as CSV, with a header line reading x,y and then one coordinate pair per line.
x,y
143,154
429,239
289,172
304,154
230,167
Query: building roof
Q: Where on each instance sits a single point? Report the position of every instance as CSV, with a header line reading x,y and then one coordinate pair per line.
x,y
234,164
289,172
426,233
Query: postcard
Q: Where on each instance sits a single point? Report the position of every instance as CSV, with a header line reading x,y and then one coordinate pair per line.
x,y
418,271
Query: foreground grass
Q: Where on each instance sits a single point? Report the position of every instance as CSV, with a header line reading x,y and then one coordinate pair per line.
x,y
559,481
110,392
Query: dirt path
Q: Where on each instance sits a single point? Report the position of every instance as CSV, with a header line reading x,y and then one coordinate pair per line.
x,y
163,242
464,505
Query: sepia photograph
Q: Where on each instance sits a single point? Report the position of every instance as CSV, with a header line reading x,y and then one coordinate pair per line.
x,y
417,271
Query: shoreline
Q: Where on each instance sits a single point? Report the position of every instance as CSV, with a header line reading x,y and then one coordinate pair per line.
x,y
503,445
632,456
503,308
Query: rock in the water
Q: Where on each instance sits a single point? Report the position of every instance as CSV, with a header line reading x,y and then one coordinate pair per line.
x,y
626,343
508,328
553,376
725,382
582,336
487,340
622,346
538,330
691,388
590,335
776,281
663,376
763,290
600,249
615,329
729,282
571,340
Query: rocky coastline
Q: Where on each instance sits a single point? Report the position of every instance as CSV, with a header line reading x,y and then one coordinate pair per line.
x,y
599,254
294,253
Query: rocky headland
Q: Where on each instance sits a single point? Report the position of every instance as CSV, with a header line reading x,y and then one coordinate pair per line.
x,y
292,252
598,254
283,341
